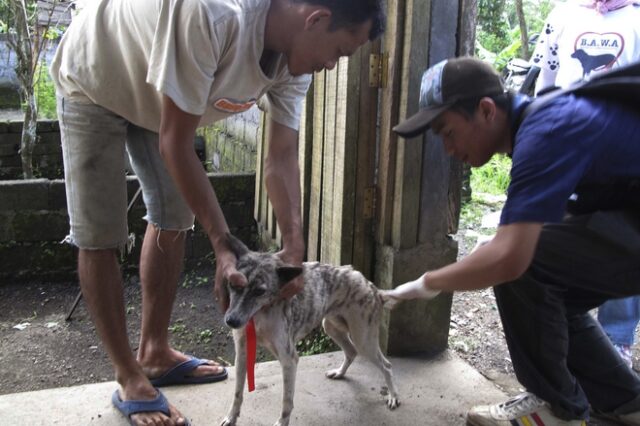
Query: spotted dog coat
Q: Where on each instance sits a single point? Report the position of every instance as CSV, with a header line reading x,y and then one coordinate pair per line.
x,y
348,306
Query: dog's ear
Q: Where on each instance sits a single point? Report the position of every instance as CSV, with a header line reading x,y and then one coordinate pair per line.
x,y
237,246
287,273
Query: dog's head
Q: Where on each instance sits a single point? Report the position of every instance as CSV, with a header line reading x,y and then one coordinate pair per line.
x,y
266,273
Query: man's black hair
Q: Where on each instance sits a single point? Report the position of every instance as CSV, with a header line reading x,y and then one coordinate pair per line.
x,y
348,13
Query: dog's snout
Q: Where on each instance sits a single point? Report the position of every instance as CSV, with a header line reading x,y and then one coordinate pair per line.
x,y
233,322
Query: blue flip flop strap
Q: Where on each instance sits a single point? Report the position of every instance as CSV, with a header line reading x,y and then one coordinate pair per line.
x,y
135,406
181,370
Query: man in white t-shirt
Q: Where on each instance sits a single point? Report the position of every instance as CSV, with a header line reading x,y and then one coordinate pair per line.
x,y
581,38
143,75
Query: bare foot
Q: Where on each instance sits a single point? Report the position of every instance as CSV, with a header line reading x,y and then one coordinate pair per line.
x,y
141,392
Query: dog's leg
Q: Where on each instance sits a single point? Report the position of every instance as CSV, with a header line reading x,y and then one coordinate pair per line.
x,y
341,337
286,352
367,344
240,341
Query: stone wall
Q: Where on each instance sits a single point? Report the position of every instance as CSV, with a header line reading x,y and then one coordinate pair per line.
x,y
47,153
231,144
33,222
228,147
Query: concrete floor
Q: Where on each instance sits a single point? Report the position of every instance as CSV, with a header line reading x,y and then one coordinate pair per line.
x,y
436,391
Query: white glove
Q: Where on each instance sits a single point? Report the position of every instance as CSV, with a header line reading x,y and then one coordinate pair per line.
x,y
416,289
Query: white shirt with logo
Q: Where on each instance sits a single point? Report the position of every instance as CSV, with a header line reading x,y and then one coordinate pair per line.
x,y
577,42
203,54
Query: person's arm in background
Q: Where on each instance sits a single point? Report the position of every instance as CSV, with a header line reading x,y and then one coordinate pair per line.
x,y
177,131
543,56
282,179
501,260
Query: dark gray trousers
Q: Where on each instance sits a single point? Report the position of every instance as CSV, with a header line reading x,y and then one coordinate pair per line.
x,y
559,351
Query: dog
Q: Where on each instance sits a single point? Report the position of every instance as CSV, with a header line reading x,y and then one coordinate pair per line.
x,y
342,299
592,62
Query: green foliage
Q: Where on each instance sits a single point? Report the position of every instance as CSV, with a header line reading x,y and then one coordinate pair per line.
x,y
493,29
316,343
205,335
471,214
498,30
45,93
493,177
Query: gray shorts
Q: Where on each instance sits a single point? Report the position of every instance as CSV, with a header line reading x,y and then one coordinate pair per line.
x,y
94,144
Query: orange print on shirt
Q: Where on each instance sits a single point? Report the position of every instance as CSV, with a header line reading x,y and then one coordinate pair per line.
x,y
233,106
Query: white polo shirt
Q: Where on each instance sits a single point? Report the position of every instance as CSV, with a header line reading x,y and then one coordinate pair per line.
x,y
203,54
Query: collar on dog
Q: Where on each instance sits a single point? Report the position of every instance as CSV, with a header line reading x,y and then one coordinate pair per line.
x,y
251,354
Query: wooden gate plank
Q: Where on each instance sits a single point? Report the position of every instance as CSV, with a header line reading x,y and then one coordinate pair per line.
x,y
344,170
389,107
364,135
315,189
409,160
328,188
305,159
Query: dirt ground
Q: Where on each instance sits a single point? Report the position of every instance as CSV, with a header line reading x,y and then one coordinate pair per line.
x,y
39,349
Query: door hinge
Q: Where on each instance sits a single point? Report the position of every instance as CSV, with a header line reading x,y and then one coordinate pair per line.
x,y
378,69
369,202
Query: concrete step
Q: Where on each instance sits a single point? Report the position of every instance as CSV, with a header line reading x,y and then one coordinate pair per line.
x,y
435,391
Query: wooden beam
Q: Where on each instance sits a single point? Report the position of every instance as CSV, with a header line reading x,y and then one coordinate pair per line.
x,y
435,214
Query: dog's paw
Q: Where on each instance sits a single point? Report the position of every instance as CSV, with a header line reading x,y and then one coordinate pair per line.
x,y
393,403
334,374
282,422
228,421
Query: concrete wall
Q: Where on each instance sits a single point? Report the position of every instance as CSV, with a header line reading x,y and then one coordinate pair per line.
x,y
33,221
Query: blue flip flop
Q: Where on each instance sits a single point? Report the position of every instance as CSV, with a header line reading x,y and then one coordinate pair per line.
x,y
127,408
179,374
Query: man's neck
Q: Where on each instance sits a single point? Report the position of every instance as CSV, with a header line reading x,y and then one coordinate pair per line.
x,y
281,25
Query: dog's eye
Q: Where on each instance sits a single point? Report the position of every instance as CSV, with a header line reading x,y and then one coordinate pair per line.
x,y
258,291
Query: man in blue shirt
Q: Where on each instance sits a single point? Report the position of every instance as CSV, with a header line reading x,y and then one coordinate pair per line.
x,y
548,267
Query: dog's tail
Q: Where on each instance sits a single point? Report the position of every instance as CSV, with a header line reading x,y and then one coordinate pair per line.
x,y
388,301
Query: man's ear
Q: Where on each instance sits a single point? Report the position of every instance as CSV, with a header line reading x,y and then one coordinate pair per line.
x,y
487,108
317,16
287,273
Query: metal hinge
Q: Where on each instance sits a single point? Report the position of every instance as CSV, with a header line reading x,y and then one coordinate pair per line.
x,y
369,202
378,69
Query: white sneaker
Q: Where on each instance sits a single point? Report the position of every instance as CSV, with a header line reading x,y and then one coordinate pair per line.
x,y
525,409
625,353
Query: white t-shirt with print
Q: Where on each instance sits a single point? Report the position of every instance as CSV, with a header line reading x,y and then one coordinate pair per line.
x,y
203,54
577,42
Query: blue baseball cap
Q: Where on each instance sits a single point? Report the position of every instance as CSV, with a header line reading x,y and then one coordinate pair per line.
x,y
447,83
